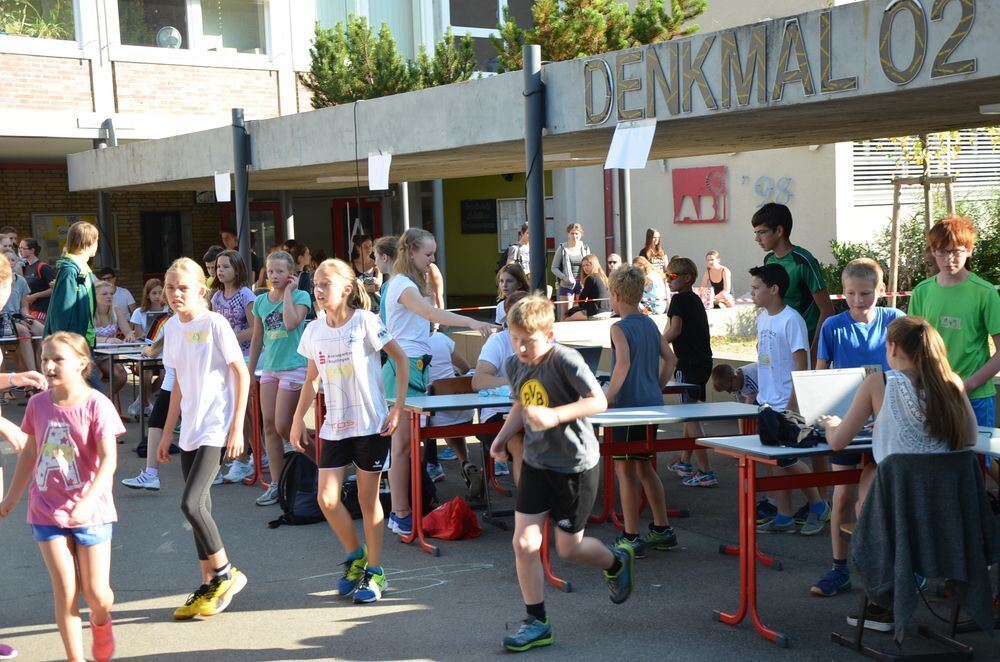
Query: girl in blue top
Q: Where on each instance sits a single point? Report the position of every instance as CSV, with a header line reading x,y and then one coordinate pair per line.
x,y
279,316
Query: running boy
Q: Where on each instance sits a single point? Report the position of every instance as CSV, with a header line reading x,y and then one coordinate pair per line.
x,y
688,332
854,338
806,291
641,363
555,392
965,310
781,348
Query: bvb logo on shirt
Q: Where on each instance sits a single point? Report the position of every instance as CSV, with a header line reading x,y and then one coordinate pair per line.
x,y
533,393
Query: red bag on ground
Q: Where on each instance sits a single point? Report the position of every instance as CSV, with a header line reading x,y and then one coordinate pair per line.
x,y
453,520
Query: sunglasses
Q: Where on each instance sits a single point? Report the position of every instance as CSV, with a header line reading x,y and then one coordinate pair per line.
x,y
675,276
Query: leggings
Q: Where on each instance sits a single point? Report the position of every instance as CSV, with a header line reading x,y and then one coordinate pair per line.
x,y
199,468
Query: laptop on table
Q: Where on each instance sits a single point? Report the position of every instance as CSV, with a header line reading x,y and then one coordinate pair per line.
x,y
828,392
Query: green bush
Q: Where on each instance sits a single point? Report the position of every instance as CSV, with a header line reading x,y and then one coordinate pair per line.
x,y
985,261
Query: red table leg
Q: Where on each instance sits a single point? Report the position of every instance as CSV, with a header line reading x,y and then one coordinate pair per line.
x,y
546,554
750,564
256,443
416,489
733,619
608,499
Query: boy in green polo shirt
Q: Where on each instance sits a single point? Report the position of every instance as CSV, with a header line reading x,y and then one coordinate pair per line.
x,y
807,294
965,309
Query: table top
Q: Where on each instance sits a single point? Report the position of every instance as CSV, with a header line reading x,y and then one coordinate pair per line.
x,y
988,443
425,403
700,411
126,353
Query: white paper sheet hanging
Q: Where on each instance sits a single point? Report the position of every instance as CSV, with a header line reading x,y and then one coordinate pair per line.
x,y
223,188
630,145
378,171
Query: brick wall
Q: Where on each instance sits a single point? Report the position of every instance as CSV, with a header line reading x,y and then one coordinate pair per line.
x,y
33,82
23,192
303,95
181,90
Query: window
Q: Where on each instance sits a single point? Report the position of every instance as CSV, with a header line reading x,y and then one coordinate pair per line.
x,y
976,166
44,19
162,239
399,17
227,26
331,12
480,19
474,13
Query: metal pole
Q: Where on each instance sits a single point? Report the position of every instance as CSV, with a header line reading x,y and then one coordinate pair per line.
x,y
534,178
925,182
438,192
105,223
287,213
894,256
625,202
241,161
404,205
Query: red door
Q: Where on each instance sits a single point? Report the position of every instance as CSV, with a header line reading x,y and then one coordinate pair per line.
x,y
347,222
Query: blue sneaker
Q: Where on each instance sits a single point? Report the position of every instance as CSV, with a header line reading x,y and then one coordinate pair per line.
x,y
354,570
836,580
500,468
638,546
921,582
401,525
371,588
447,454
620,584
435,472
532,634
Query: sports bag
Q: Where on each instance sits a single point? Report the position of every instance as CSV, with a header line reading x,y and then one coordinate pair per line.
x,y
298,487
452,520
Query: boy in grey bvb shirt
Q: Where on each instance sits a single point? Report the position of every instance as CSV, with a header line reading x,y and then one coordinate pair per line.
x,y
553,392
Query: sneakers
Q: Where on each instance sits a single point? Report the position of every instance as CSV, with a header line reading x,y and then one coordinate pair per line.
x,y
212,598
533,633
103,647
447,454
269,497
836,580
149,410
143,481
474,479
7,652
133,409
371,588
402,526
501,468
701,479
771,526
218,478
638,545
814,523
435,472
264,462
354,570
682,469
238,471
661,542
620,584
765,511
876,618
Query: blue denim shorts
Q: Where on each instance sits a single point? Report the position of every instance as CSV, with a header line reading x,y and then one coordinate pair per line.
x,y
985,410
87,536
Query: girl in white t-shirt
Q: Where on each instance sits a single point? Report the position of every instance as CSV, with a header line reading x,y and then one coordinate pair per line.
x,y
406,315
510,278
342,348
210,390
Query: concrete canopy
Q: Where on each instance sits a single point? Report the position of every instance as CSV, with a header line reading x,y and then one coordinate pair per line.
x,y
861,70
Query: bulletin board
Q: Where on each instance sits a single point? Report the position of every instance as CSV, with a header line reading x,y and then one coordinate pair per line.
x,y
49,230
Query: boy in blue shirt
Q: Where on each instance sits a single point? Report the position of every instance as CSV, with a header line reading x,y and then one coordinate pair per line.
x,y
641,363
854,338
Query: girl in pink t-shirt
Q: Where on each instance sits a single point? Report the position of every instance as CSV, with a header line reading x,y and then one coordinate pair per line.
x,y
69,463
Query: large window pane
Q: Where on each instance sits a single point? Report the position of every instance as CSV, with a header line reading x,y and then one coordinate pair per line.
x,y
331,12
45,19
161,23
521,11
234,25
398,15
486,54
474,13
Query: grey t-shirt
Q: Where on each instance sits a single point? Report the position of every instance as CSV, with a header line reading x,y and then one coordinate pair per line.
x,y
18,290
562,377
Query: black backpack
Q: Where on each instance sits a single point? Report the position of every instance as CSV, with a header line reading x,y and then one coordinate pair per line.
x,y
298,487
784,428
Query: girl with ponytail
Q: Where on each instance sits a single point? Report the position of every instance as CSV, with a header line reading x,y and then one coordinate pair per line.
x,y
920,403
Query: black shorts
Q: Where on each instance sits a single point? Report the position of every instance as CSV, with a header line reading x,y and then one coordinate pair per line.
x,y
567,498
630,433
846,458
158,416
698,392
369,453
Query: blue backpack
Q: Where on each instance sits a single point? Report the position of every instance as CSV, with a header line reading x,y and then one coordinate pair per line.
x,y
298,487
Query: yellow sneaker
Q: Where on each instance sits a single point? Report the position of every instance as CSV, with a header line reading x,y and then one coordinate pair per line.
x,y
193,605
221,592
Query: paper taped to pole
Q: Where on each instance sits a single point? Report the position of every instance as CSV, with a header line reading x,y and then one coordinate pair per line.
x,y
630,145
378,171
223,186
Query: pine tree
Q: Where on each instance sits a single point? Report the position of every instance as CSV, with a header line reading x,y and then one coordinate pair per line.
x,y
570,29
453,61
